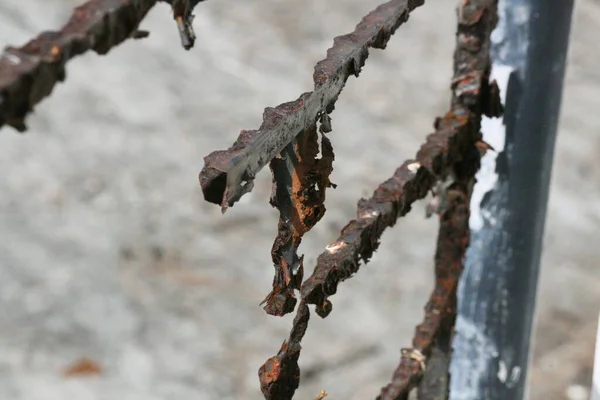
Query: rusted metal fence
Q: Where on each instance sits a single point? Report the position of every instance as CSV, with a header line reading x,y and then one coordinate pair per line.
x,y
293,141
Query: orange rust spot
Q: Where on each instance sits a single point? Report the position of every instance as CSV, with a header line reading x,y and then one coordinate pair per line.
x,y
83,367
309,180
270,371
55,51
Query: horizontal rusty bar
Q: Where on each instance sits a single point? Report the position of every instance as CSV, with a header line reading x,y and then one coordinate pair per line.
x,y
228,174
29,73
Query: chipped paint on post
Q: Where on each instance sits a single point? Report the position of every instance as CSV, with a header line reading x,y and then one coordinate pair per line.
x,y
474,350
498,288
494,134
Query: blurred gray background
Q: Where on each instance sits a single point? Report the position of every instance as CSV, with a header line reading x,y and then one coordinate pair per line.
x,y
108,251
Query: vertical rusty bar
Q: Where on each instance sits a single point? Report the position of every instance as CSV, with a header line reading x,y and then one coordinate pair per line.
x,y
498,289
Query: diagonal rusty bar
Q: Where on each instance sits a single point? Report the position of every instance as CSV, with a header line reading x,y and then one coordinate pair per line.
x,y
29,73
228,174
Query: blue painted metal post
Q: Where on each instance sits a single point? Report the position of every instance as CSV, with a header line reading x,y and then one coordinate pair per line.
x,y
498,289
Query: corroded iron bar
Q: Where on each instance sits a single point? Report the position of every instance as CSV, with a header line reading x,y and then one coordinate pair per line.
x,y
29,73
228,174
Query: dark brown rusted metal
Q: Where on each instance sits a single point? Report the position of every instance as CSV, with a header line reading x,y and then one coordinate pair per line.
x,y
289,139
227,175
299,184
28,73
280,375
452,152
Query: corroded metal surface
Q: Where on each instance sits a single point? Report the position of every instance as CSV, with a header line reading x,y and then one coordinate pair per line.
x,y
280,375
228,174
28,73
288,139
299,183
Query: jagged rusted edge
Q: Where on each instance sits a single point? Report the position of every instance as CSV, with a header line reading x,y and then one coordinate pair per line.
x,y
280,375
228,174
29,73
300,181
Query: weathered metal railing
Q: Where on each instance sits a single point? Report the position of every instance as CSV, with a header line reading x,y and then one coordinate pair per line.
x,y
288,140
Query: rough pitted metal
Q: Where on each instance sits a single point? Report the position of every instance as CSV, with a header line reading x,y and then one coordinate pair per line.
x,y
28,73
280,375
453,151
228,174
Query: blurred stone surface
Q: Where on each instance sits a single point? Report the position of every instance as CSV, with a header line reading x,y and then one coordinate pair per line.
x,y
109,253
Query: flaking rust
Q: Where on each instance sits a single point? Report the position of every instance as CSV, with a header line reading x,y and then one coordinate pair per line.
x,y
280,375
228,174
29,73
300,180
